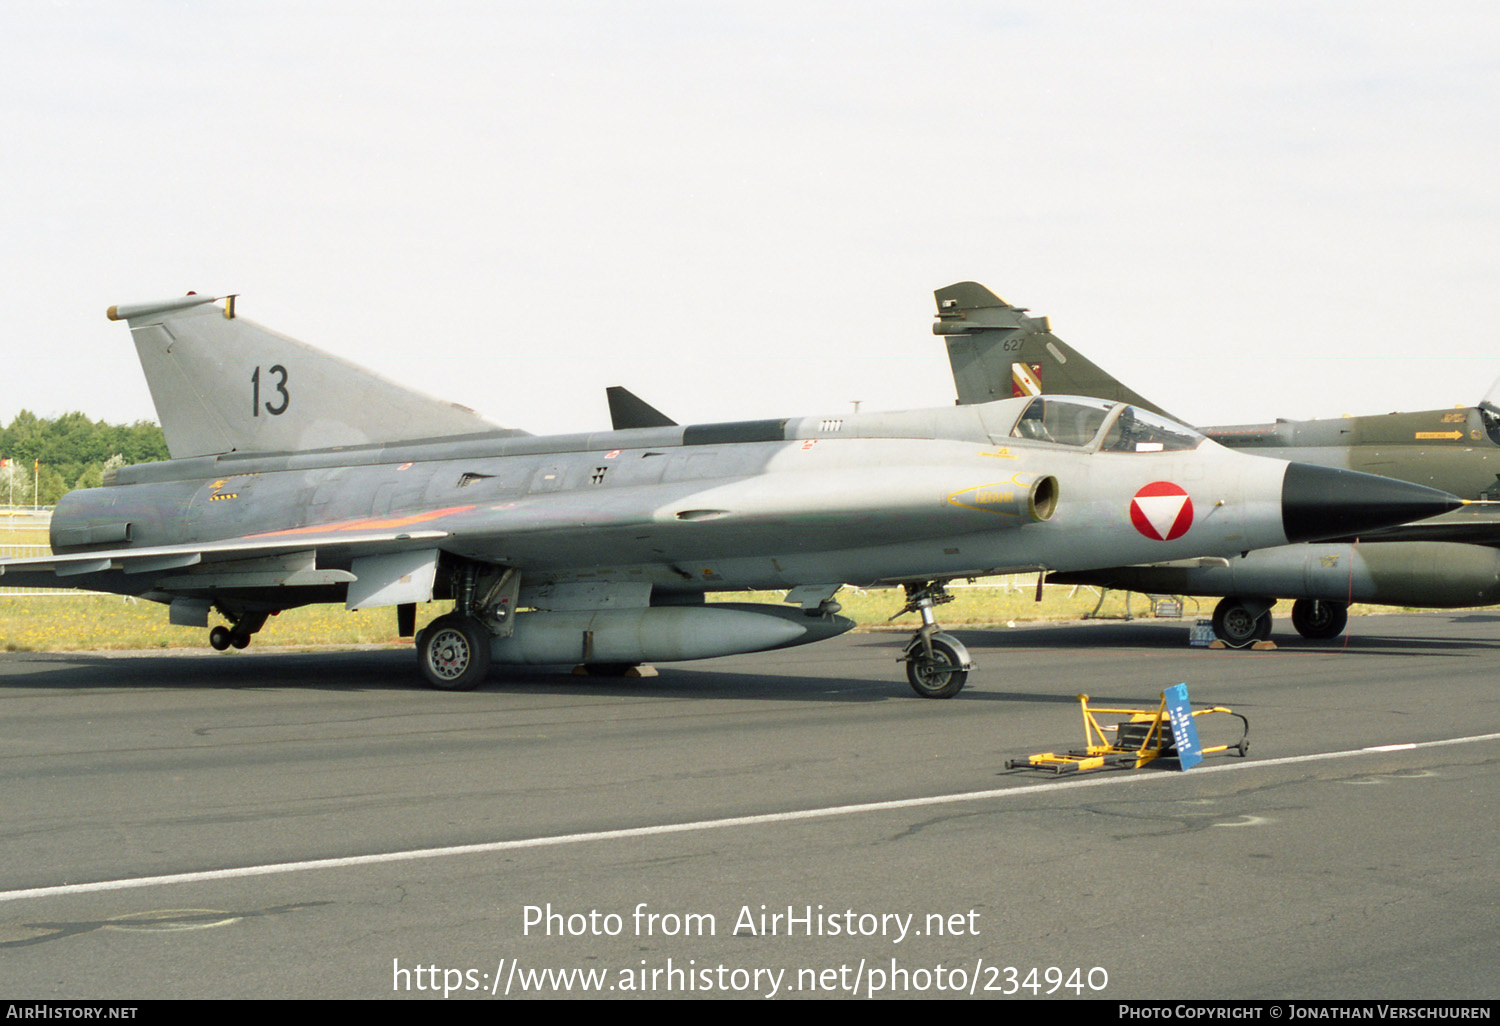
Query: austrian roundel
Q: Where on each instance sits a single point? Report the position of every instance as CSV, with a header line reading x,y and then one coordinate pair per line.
x,y
1162,511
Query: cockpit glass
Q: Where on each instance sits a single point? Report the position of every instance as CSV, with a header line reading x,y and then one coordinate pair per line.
x,y
1136,430
1489,412
1070,421
1490,417
1065,421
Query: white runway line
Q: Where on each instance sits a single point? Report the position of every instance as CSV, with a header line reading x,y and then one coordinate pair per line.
x,y
276,868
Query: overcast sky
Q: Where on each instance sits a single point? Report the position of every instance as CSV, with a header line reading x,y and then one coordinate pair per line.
x,y
741,210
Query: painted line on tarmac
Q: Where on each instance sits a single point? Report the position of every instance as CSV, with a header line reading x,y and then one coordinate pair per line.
x,y
276,868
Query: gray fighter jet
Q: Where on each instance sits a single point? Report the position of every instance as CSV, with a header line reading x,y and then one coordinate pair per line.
x,y
298,478
997,350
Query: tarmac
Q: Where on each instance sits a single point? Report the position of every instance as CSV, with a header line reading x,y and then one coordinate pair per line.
x,y
272,824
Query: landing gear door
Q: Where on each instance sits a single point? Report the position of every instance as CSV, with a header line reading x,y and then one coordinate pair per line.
x,y
392,579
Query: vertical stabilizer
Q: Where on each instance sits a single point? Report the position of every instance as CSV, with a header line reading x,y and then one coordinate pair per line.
x,y
997,352
224,384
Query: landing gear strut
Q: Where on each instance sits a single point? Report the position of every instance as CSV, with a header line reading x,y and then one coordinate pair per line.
x,y
937,664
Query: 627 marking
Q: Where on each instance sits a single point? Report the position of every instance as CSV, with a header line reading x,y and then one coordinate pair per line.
x,y
280,388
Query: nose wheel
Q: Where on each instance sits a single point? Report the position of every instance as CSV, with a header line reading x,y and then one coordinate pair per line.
x,y
940,674
937,664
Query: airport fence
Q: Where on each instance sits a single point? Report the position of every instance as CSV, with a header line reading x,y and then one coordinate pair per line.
x,y
18,514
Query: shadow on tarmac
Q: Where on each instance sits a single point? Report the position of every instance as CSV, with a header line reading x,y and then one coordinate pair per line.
x,y
394,669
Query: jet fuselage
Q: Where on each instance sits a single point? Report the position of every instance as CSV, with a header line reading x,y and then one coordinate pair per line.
x,y
861,499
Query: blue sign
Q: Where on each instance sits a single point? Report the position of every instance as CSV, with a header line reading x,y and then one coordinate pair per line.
x,y
1184,733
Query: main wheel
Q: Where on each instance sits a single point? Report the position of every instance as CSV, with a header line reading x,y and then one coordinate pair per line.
x,y
941,676
1236,626
1263,626
1317,619
219,637
454,653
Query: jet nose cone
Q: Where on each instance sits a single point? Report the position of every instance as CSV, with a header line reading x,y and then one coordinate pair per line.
x,y
1320,502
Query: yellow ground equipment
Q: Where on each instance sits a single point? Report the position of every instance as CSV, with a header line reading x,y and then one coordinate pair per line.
x,y
1144,735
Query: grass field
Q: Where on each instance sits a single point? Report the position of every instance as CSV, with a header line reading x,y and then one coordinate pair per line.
x,y
71,622
12,535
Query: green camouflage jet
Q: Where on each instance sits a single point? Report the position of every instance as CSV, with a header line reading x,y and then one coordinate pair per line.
x,y
997,351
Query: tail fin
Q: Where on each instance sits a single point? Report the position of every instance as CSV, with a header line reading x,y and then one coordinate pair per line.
x,y
997,352
224,384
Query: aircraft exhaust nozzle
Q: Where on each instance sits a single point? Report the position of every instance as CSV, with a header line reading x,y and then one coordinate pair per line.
x,y
1321,502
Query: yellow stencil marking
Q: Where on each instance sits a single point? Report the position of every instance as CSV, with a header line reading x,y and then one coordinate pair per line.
x,y
986,498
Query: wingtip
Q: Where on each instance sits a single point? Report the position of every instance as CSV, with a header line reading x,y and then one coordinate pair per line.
x,y
126,312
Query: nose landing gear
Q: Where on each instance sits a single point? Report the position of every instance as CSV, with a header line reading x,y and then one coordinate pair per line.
x,y
937,664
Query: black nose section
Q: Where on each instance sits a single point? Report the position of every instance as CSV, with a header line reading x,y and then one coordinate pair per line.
x,y
1320,502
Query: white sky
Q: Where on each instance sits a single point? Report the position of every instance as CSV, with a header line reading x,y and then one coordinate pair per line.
x,y
1243,210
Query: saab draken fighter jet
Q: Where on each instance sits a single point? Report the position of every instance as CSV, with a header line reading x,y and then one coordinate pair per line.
x,y
298,478
1452,561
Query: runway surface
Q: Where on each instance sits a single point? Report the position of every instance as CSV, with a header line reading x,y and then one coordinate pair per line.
x,y
274,824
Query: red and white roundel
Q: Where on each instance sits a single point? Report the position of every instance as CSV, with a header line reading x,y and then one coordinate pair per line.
x,y
1162,511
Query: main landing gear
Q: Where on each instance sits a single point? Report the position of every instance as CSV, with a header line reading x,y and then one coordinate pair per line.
x,y
453,651
937,664
1240,621
238,634
1320,620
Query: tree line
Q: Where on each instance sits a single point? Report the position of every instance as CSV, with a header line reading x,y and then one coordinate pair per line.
x,y
67,452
